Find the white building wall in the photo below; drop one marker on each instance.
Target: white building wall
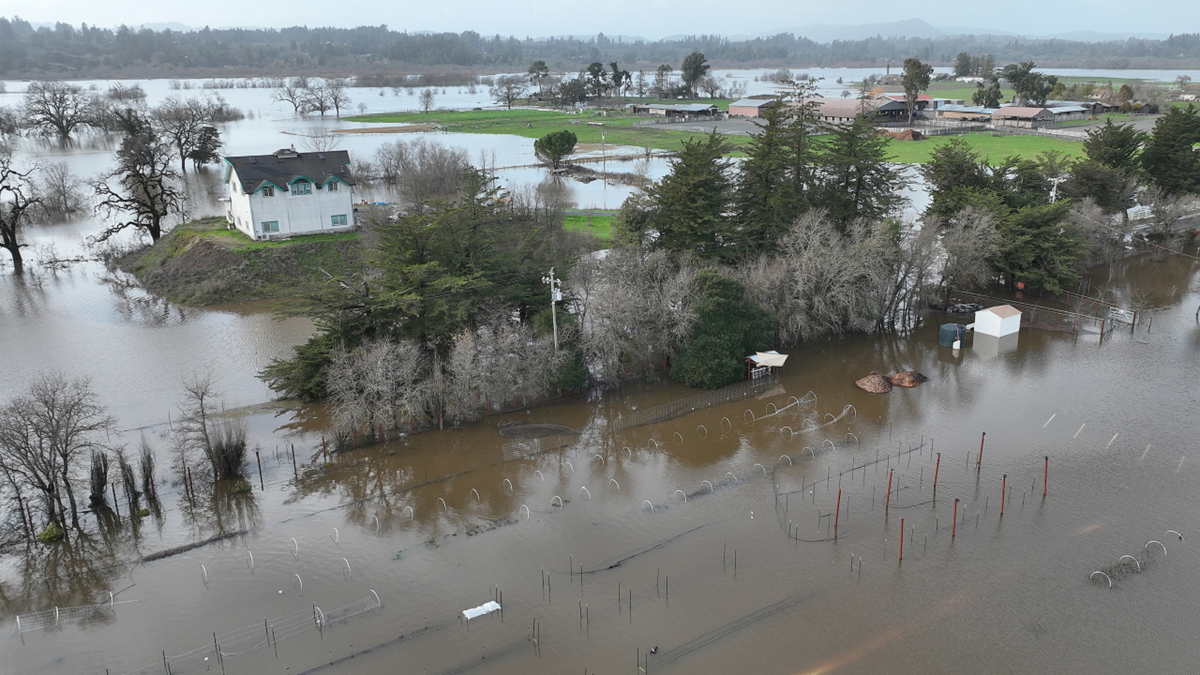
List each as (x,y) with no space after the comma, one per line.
(296,214)
(988,323)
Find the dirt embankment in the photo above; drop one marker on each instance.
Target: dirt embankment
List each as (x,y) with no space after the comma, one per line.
(202,263)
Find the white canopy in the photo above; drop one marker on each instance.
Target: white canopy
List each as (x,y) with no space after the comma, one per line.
(485,608)
(772,359)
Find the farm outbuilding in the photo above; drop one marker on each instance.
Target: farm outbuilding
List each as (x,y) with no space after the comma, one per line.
(1019,116)
(998,321)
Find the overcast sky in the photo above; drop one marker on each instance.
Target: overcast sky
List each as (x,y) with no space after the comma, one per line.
(652,19)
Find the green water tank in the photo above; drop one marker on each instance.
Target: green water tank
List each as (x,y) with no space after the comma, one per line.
(950,332)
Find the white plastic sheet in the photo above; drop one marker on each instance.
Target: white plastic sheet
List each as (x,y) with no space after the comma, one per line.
(485,608)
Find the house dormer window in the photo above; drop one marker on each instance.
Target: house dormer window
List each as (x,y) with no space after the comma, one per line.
(332,186)
(268,191)
(301,187)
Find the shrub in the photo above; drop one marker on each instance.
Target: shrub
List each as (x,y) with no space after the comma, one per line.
(52,533)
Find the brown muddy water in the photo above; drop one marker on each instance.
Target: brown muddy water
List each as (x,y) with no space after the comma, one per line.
(746,576)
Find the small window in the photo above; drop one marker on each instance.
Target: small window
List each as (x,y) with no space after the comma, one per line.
(332,186)
(268,191)
(270,226)
(302,188)
(338,220)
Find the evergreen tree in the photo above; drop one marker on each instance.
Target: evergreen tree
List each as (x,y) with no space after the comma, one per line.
(1169,158)
(857,180)
(728,326)
(1115,146)
(688,207)
(1040,246)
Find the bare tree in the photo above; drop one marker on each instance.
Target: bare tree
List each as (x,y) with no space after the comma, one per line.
(143,191)
(709,85)
(1166,210)
(421,170)
(205,428)
(338,97)
(60,193)
(508,89)
(45,434)
(18,201)
(321,141)
(57,108)
(293,92)
(496,363)
(970,244)
(319,99)
(380,382)
(823,281)
(425,100)
(180,123)
(638,310)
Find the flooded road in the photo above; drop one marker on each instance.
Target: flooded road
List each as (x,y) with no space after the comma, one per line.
(742,570)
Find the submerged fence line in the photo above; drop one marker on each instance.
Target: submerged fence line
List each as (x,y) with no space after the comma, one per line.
(738,391)
(266,634)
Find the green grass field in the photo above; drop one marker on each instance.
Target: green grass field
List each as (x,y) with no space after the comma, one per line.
(993,147)
(214,228)
(597,226)
(618,129)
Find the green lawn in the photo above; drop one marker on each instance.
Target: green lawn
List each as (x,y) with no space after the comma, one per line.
(993,147)
(617,128)
(598,226)
(243,243)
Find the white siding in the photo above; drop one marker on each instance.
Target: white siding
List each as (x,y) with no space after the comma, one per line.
(296,214)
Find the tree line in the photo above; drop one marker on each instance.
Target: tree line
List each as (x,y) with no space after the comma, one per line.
(81,50)
(143,192)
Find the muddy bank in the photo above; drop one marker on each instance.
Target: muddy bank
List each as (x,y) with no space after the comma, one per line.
(202,263)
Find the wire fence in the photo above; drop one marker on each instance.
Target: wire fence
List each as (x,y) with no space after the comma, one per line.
(57,616)
(1040,316)
(260,635)
(734,392)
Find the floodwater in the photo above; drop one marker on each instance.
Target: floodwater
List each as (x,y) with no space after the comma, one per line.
(744,570)
(990,592)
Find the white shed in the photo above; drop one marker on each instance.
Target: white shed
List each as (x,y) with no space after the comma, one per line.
(998,321)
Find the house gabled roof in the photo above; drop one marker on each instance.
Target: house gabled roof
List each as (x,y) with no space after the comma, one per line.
(753,102)
(284,167)
(1021,112)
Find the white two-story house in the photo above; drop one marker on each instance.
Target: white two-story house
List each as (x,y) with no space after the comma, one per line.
(289,193)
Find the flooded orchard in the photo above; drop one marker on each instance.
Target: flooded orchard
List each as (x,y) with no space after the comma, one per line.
(706,540)
(761,533)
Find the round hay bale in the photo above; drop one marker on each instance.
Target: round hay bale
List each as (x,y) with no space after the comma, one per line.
(909,378)
(875,383)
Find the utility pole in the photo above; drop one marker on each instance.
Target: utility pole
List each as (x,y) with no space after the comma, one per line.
(555,296)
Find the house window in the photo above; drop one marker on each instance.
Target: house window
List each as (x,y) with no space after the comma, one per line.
(270,226)
(338,220)
(268,191)
(332,186)
(302,188)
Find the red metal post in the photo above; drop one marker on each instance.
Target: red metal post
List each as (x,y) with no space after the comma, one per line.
(935,471)
(954,521)
(979,462)
(901,539)
(836,511)
(888,500)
